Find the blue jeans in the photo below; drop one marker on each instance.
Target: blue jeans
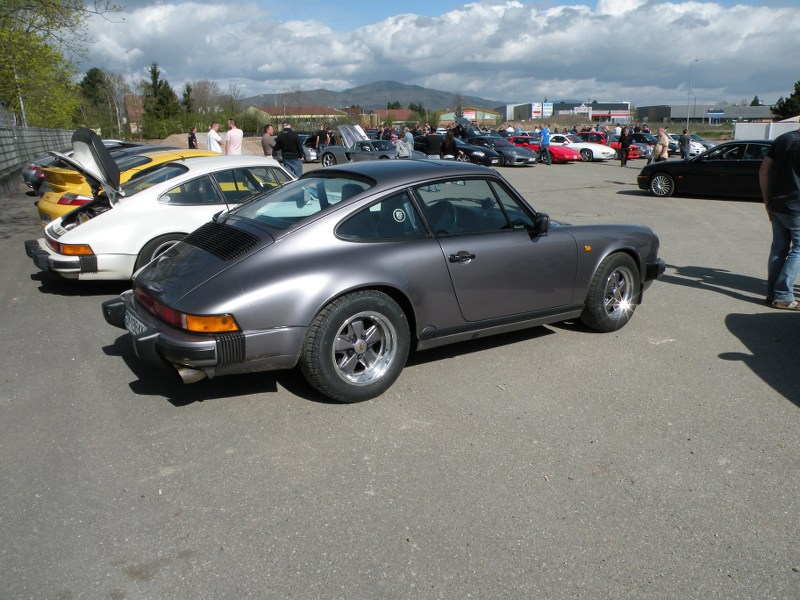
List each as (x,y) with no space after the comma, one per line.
(784,257)
(294,165)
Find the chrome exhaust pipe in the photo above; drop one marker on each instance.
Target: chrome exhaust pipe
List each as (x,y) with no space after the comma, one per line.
(190,375)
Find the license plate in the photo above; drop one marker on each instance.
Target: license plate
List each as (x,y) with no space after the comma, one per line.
(134,325)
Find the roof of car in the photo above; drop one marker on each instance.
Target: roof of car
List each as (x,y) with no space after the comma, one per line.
(390,172)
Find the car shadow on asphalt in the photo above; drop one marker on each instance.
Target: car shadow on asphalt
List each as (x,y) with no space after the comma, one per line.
(165,383)
(58,286)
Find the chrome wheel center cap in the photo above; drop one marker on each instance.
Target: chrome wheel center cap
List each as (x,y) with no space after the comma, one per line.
(360,346)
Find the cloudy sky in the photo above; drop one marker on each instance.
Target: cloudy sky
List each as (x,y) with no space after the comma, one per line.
(515,51)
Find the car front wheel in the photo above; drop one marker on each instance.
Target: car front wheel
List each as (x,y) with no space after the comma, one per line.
(328,160)
(356,346)
(662,185)
(613,294)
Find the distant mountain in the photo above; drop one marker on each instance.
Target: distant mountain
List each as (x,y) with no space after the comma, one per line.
(372,96)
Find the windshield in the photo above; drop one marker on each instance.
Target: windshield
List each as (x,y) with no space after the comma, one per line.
(574,138)
(162,173)
(299,200)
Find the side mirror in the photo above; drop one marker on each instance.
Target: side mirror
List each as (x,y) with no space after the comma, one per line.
(541,223)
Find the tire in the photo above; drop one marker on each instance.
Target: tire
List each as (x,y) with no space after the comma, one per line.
(356,347)
(384,157)
(586,155)
(662,185)
(613,294)
(156,247)
(328,160)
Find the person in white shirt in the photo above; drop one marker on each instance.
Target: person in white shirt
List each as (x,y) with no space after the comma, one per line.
(233,142)
(214,138)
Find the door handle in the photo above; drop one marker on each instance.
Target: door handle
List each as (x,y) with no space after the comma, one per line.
(461,257)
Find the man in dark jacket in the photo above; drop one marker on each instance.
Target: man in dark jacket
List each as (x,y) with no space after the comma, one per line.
(779,178)
(288,142)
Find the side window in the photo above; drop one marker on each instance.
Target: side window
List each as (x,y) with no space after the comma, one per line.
(755,152)
(201,190)
(730,152)
(469,206)
(391,218)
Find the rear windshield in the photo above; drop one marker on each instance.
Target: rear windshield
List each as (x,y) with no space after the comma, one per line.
(299,200)
(149,179)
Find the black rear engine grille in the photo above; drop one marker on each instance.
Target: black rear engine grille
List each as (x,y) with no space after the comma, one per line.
(223,241)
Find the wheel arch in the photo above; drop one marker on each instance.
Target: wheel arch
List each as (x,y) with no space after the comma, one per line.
(402,300)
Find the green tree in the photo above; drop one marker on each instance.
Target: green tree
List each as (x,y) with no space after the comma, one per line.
(103,102)
(188,101)
(788,107)
(393,105)
(161,107)
(35,77)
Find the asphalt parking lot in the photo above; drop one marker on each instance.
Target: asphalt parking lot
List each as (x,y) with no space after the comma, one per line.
(660,461)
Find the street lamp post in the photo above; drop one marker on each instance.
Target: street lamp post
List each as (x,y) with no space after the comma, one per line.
(689,93)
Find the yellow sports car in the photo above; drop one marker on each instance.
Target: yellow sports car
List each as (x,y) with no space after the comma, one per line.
(66,189)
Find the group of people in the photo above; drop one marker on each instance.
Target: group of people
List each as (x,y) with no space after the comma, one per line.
(231,145)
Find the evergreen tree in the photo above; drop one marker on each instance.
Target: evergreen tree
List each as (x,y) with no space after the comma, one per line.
(788,107)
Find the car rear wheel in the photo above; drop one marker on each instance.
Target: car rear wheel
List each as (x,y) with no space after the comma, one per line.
(586,155)
(662,185)
(328,160)
(612,294)
(156,247)
(356,347)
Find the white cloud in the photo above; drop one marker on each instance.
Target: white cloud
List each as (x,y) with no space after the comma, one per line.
(635,50)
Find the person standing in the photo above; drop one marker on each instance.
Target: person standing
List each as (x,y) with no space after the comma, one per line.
(544,146)
(779,179)
(685,142)
(214,138)
(625,140)
(193,139)
(234,139)
(268,140)
(322,140)
(661,149)
(433,143)
(288,142)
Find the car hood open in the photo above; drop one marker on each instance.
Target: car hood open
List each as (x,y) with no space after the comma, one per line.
(351,134)
(92,159)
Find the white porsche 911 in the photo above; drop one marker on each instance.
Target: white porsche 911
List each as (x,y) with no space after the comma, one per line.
(589,151)
(121,230)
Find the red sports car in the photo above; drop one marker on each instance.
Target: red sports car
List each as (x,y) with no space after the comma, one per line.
(599,137)
(560,154)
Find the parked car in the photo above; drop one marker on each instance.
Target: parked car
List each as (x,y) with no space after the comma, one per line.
(634,150)
(479,155)
(558,154)
(309,147)
(357,147)
(695,148)
(589,151)
(67,189)
(706,143)
(651,140)
(346,270)
(729,169)
(115,234)
(33,174)
(511,155)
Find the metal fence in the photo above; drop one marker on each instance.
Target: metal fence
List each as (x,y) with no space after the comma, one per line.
(18,145)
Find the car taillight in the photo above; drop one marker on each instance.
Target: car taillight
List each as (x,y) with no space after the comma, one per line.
(194,323)
(74,200)
(69,249)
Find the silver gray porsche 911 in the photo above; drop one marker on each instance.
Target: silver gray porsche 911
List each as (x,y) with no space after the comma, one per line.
(348,269)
